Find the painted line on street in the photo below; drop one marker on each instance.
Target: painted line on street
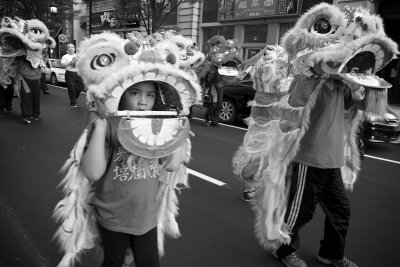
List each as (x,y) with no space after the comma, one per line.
(65,88)
(25,241)
(207,178)
(227,125)
(383,159)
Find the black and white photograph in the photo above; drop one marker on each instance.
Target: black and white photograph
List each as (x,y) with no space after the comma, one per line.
(199,133)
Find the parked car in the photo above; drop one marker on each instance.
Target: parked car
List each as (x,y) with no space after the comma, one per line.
(376,129)
(234,104)
(56,73)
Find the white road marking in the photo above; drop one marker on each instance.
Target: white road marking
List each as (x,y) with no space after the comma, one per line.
(227,125)
(207,178)
(383,159)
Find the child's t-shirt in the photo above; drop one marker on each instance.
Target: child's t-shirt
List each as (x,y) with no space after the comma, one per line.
(125,199)
(323,143)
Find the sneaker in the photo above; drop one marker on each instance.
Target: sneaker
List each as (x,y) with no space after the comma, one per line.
(25,121)
(74,106)
(248,195)
(293,260)
(37,118)
(343,262)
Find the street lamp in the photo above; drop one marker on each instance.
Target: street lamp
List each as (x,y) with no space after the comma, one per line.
(53,8)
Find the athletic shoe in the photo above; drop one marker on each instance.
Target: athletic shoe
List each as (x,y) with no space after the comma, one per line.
(293,260)
(343,262)
(74,106)
(37,118)
(24,121)
(248,195)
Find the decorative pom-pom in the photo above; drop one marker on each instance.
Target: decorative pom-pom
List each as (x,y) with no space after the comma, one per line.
(130,48)
(171,59)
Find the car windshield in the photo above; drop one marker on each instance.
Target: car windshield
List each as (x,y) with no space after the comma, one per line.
(56,63)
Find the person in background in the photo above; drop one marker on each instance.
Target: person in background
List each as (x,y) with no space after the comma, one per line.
(6,97)
(28,83)
(74,81)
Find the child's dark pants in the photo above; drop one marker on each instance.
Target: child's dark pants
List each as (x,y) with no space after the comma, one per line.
(144,248)
(309,186)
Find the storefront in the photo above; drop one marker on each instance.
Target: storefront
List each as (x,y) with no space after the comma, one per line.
(254,23)
(390,12)
(106,17)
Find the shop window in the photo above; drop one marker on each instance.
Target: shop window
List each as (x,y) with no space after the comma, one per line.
(210,11)
(283,28)
(255,33)
(250,52)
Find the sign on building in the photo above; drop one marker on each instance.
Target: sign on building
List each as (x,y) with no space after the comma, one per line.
(244,9)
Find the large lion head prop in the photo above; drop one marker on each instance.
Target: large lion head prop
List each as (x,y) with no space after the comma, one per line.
(25,37)
(224,55)
(105,64)
(351,45)
(18,37)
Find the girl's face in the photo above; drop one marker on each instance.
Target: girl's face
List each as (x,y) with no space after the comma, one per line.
(140,96)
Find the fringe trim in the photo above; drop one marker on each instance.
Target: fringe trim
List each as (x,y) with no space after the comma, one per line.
(270,207)
(352,154)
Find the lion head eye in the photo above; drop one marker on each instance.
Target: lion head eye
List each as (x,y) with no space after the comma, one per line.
(102,61)
(36,31)
(322,26)
(180,46)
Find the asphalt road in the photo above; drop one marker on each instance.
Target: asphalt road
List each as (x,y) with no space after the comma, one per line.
(216,226)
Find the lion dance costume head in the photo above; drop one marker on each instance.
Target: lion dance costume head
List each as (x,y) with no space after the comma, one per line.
(27,38)
(325,43)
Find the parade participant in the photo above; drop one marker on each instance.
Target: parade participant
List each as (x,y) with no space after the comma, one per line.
(122,174)
(74,81)
(137,228)
(218,70)
(30,101)
(269,72)
(304,151)
(22,45)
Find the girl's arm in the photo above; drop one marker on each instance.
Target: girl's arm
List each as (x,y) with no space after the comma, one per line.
(94,161)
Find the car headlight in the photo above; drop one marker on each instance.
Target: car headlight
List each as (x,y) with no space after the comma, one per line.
(391,117)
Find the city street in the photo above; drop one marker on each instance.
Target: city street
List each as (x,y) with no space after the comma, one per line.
(216,225)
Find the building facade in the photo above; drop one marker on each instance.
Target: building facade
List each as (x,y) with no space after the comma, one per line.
(254,23)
